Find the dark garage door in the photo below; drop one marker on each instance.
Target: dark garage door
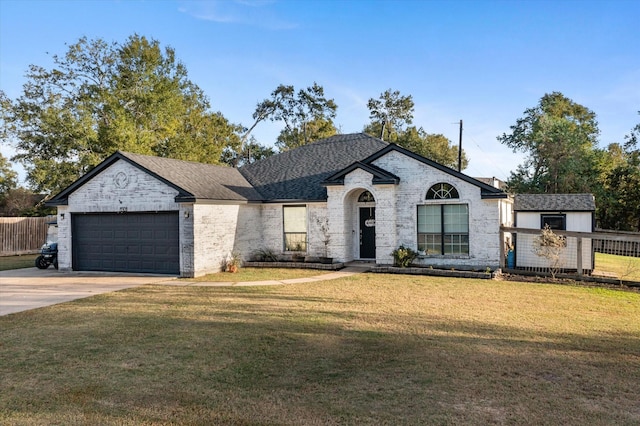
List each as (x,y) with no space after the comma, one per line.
(128,242)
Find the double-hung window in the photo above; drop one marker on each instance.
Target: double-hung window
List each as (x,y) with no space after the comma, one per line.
(443,229)
(295,228)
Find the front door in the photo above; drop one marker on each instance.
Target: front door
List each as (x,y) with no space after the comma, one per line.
(367,232)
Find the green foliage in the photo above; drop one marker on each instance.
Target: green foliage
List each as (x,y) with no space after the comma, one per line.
(233,262)
(403,256)
(390,114)
(307,115)
(617,189)
(559,137)
(618,207)
(251,152)
(265,255)
(315,129)
(435,147)
(101,97)
(8,177)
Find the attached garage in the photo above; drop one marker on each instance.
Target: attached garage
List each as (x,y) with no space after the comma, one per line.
(127,242)
(144,214)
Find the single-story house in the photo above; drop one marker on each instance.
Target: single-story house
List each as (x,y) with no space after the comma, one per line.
(561,212)
(352,196)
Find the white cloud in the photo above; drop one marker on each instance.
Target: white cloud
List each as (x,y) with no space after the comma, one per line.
(256,13)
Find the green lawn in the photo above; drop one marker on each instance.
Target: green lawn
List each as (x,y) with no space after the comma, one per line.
(17,262)
(623,267)
(370,349)
(259,274)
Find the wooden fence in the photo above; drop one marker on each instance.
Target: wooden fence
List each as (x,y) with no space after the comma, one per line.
(23,235)
(579,255)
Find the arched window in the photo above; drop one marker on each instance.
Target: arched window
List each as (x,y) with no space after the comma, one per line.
(443,228)
(442,191)
(366,197)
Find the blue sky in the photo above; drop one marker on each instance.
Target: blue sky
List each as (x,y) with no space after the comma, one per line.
(484,62)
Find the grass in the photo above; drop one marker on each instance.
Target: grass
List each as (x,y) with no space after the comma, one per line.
(259,274)
(625,268)
(371,349)
(17,262)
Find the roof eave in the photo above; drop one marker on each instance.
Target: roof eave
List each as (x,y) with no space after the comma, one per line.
(553,211)
(494,195)
(485,188)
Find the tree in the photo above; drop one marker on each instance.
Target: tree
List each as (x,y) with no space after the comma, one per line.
(310,131)
(618,189)
(560,138)
(16,200)
(251,152)
(435,147)
(100,97)
(550,246)
(389,114)
(307,115)
(8,177)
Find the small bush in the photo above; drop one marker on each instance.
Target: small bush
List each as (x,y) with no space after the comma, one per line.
(233,262)
(265,255)
(403,256)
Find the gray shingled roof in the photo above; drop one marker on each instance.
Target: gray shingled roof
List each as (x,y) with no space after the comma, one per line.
(203,181)
(554,202)
(297,174)
(194,181)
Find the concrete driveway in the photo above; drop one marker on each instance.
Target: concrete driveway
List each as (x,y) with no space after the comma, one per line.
(30,288)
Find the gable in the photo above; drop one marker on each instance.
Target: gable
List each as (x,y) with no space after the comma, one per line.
(121,184)
(387,164)
(191,181)
(298,174)
(379,176)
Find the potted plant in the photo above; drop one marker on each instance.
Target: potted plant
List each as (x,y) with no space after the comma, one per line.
(233,263)
(323,224)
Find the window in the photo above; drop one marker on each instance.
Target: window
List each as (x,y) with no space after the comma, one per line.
(557,222)
(295,228)
(442,191)
(366,197)
(443,229)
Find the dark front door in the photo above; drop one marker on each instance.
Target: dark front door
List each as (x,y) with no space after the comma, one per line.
(367,232)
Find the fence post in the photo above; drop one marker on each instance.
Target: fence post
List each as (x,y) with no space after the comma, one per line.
(502,258)
(579,258)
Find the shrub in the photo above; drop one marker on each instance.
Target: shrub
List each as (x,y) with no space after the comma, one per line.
(403,256)
(233,262)
(265,255)
(550,246)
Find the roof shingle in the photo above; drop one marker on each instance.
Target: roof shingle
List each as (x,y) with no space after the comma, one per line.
(554,202)
(203,181)
(297,174)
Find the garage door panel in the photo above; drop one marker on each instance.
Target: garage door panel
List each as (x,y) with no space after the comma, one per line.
(132,242)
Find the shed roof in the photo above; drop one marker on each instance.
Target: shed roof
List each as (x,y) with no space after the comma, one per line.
(554,202)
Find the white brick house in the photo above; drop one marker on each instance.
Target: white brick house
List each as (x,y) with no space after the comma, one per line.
(148,214)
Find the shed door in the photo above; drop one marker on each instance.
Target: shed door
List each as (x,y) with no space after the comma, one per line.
(128,242)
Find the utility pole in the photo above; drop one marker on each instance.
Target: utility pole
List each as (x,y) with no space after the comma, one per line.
(460,149)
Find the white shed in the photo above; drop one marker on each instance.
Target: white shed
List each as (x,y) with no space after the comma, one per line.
(561,212)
